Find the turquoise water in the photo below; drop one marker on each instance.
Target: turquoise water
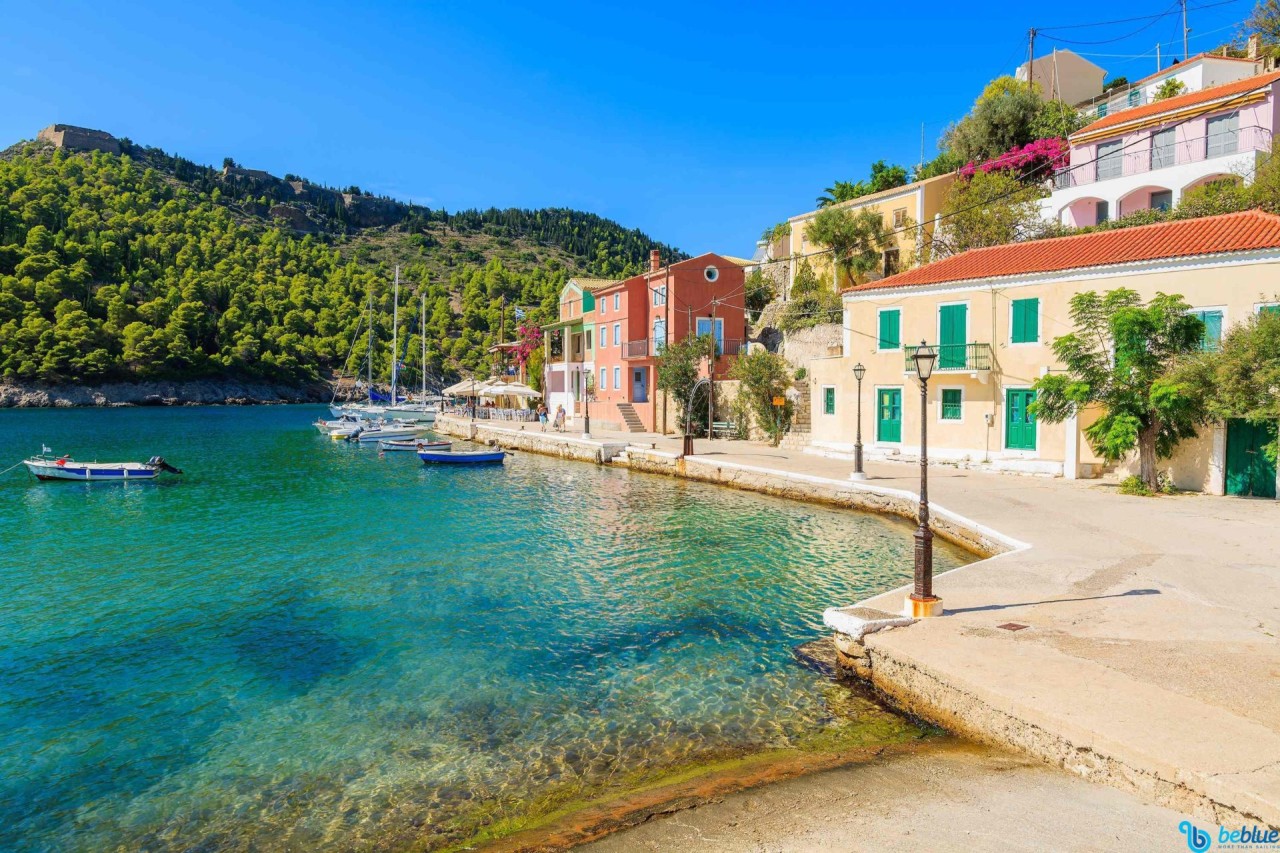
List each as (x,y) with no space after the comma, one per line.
(299,645)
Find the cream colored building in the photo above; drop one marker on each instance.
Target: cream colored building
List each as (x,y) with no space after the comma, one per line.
(993,314)
(908,211)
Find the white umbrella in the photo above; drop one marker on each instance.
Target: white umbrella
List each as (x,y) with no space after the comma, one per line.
(513,389)
(468,388)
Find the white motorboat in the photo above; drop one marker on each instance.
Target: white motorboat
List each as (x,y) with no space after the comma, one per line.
(396,429)
(65,468)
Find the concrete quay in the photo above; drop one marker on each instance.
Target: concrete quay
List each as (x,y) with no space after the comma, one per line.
(1150,660)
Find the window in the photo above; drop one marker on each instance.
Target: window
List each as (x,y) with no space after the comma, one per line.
(1269,309)
(890,329)
(659,335)
(588,332)
(1110,159)
(1135,97)
(703,327)
(660,295)
(900,217)
(1212,319)
(1162,200)
(828,399)
(617,301)
(1025,321)
(617,378)
(890,262)
(1103,212)
(1222,135)
(952,404)
(603,337)
(617,334)
(604,306)
(1163,153)
(604,378)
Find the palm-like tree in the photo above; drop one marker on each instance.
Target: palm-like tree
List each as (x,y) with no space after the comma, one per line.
(840,191)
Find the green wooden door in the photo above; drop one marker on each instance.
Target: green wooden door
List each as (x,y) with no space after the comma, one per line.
(889,414)
(1020,424)
(1249,472)
(953,330)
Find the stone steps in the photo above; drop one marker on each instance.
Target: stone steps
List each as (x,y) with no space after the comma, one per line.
(630,418)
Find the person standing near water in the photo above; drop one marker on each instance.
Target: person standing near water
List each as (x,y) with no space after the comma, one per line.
(542,416)
(559,422)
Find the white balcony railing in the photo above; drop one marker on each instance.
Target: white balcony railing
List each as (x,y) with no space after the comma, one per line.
(1148,157)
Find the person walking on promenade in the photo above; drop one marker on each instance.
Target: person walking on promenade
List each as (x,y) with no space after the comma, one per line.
(542,416)
(559,422)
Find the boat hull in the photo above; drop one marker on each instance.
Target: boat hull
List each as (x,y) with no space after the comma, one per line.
(92,473)
(462,457)
(411,444)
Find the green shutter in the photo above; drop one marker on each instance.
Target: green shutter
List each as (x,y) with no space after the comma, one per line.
(1026,321)
(829,401)
(951,400)
(1212,336)
(889,414)
(1269,309)
(890,329)
(953,323)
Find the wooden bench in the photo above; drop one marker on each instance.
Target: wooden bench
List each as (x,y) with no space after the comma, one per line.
(724,429)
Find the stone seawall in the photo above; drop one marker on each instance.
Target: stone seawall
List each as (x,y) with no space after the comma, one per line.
(707,469)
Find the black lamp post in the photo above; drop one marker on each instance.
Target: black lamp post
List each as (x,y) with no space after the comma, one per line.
(922,601)
(588,391)
(859,371)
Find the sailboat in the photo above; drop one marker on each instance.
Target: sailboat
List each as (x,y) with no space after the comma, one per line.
(376,407)
(420,411)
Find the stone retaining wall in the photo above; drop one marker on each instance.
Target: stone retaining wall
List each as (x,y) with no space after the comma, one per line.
(531,439)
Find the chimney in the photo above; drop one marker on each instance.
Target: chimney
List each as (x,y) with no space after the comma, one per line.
(655,260)
(1255,45)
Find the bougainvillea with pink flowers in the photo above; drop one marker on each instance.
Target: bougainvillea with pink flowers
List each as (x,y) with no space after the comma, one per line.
(528,339)
(1038,159)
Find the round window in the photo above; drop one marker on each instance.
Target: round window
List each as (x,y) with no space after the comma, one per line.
(711,273)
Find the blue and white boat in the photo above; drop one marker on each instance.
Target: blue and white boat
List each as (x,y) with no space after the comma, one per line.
(46,467)
(462,457)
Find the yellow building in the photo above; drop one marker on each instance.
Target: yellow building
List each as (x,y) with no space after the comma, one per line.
(908,211)
(993,314)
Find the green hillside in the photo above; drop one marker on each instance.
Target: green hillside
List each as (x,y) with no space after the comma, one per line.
(147,266)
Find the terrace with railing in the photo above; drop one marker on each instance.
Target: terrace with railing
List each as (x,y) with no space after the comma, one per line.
(1162,152)
(969,358)
(636,349)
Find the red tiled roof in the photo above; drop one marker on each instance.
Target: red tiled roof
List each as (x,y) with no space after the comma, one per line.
(1190,99)
(1231,232)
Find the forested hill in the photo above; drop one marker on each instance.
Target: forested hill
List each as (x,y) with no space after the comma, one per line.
(142,266)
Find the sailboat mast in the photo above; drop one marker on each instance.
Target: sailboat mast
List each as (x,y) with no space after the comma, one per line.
(422,333)
(395,340)
(369,354)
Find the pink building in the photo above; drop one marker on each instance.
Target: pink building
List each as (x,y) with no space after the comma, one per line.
(635,318)
(1147,156)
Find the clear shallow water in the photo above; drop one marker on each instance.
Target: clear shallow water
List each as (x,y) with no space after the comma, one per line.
(299,645)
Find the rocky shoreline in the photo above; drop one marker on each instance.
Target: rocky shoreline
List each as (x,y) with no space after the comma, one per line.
(216,392)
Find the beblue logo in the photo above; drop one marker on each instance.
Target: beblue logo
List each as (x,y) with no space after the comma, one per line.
(1197,839)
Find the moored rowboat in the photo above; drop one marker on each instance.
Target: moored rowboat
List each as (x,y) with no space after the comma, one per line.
(413,444)
(462,457)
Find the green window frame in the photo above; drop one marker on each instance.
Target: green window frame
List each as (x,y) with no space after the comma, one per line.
(952,404)
(828,399)
(890,336)
(1212,319)
(1025,322)
(1269,309)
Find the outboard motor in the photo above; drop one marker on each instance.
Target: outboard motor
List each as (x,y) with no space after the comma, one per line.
(158,463)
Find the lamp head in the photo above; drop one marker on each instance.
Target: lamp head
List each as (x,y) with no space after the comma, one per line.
(925,357)
(859,371)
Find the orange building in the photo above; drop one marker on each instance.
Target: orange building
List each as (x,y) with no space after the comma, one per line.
(636,318)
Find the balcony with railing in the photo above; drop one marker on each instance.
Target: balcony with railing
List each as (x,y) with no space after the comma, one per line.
(1153,156)
(636,349)
(967,358)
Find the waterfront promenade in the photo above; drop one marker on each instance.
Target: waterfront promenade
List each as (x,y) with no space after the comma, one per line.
(1151,658)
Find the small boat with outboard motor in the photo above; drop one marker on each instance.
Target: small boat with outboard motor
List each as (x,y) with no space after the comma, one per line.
(48,467)
(385,431)
(412,444)
(462,457)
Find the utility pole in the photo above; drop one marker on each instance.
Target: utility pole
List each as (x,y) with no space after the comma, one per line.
(666,335)
(1158,65)
(502,335)
(1031,58)
(1185,31)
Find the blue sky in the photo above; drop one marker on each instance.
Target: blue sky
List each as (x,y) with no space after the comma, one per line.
(700,123)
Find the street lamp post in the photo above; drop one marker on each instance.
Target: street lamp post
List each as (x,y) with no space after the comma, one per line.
(859,371)
(922,602)
(588,391)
